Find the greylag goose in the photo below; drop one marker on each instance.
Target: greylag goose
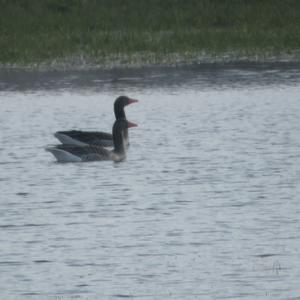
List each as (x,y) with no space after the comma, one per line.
(97,138)
(75,153)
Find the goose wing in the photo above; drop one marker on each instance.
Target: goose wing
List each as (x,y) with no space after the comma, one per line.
(96,138)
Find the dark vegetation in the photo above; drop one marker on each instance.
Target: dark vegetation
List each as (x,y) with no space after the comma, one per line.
(36,31)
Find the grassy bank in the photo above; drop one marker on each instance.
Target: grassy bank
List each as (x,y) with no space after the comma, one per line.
(146,31)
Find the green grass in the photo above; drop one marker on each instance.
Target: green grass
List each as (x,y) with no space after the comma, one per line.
(156,31)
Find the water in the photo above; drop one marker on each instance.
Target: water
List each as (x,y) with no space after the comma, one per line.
(206,206)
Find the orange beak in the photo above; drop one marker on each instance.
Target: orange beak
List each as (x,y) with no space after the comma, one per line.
(132,101)
(130,124)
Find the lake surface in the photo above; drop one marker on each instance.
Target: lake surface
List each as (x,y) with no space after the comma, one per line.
(206,205)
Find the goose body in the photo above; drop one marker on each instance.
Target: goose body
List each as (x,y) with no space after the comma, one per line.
(78,153)
(96,138)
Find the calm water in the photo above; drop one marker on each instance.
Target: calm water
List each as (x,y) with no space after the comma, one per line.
(206,206)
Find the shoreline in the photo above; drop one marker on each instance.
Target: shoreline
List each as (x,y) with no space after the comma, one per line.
(233,73)
(144,60)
